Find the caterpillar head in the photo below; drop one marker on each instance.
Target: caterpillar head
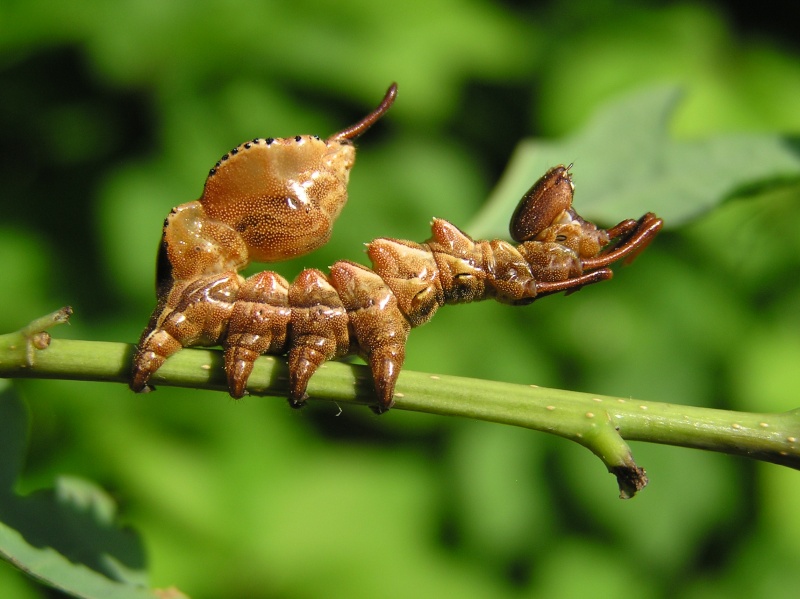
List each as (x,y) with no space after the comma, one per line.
(550,196)
(283,195)
(545,214)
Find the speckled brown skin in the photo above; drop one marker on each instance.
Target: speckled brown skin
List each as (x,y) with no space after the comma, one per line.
(355,310)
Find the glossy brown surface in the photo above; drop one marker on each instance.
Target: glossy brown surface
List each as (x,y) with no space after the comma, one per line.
(352,310)
(544,201)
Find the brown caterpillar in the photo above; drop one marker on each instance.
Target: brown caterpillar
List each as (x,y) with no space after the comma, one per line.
(270,199)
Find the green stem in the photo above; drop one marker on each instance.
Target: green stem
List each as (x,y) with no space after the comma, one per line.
(600,423)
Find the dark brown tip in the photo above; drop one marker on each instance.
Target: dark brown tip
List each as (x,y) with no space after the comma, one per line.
(355,130)
(545,200)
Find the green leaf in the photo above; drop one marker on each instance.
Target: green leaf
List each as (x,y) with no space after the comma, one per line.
(626,164)
(64,537)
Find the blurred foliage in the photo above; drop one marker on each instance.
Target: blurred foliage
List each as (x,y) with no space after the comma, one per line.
(48,533)
(679,180)
(112,113)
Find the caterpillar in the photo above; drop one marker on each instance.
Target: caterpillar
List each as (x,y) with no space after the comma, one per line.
(269,199)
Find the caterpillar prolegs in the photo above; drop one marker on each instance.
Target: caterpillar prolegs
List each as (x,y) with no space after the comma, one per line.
(202,300)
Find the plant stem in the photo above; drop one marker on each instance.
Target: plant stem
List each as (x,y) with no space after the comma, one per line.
(600,423)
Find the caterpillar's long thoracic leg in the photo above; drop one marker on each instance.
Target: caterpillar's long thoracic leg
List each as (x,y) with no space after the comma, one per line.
(635,236)
(353,310)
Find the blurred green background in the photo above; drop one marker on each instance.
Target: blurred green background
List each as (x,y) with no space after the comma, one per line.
(112,113)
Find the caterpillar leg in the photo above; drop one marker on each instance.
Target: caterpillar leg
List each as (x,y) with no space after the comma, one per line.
(634,236)
(319,330)
(544,288)
(196,313)
(258,325)
(379,327)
